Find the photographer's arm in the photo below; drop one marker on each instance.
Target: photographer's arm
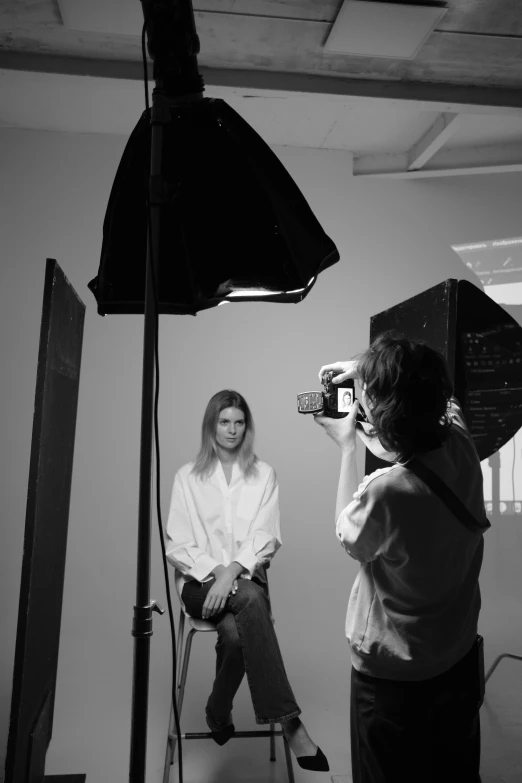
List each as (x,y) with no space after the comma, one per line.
(348,481)
(342,432)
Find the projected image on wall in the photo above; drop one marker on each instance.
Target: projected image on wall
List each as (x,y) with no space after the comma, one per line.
(497,264)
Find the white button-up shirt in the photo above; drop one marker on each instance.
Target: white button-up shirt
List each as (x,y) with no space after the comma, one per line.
(213,523)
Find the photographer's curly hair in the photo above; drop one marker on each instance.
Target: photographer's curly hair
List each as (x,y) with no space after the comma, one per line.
(207,456)
(408,387)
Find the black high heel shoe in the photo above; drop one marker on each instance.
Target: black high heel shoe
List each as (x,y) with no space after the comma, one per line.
(222,736)
(317,763)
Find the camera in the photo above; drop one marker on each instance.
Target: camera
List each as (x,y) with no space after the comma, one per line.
(335,401)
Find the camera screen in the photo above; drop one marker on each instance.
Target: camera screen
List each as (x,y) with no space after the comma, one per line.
(344,400)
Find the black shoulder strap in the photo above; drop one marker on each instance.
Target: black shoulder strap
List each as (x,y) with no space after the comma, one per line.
(455,505)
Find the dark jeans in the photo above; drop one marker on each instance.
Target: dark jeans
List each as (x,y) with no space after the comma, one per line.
(246,644)
(412,731)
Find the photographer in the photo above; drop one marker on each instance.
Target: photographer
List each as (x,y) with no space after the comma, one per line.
(417,673)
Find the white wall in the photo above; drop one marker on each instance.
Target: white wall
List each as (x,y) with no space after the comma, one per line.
(394,239)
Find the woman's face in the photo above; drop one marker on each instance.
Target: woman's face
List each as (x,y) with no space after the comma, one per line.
(230,428)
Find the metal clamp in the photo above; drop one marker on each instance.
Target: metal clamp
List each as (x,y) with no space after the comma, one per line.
(142,624)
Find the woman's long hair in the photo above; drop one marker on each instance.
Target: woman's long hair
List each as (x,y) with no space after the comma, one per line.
(207,456)
(408,387)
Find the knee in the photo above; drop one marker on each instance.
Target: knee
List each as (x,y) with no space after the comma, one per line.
(251,594)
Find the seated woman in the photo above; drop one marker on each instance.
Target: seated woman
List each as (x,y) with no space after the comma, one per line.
(223,528)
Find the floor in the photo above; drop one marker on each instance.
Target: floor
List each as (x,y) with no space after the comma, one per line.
(501,723)
(247,760)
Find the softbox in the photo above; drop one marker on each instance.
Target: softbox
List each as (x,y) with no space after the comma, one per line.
(232,218)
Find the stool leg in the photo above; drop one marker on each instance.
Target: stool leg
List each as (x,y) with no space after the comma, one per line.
(169,753)
(184,669)
(180,692)
(180,640)
(289,767)
(272,743)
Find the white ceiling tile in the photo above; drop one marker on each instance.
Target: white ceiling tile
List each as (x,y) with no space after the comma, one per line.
(382,29)
(486,129)
(287,120)
(117,17)
(69,103)
(366,129)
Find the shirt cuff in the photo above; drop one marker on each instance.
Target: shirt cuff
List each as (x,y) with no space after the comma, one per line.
(203,567)
(248,560)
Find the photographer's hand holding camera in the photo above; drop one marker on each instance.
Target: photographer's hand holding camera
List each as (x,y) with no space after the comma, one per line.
(343,433)
(416,681)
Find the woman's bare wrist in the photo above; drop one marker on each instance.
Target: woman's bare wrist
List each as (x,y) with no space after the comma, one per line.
(236,569)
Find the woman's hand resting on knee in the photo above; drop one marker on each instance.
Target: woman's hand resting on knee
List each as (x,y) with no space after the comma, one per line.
(218,594)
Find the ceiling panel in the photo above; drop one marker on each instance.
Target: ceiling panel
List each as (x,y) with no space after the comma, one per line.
(319,10)
(116,17)
(78,104)
(487,17)
(373,29)
(366,129)
(270,59)
(486,130)
(124,17)
(23,12)
(69,103)
(290,120)
(284,37)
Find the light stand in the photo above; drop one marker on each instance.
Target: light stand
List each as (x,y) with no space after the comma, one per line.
(220,220)
(142,625)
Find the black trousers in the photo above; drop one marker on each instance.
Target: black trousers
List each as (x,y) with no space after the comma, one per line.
(425,731)
(246,643)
